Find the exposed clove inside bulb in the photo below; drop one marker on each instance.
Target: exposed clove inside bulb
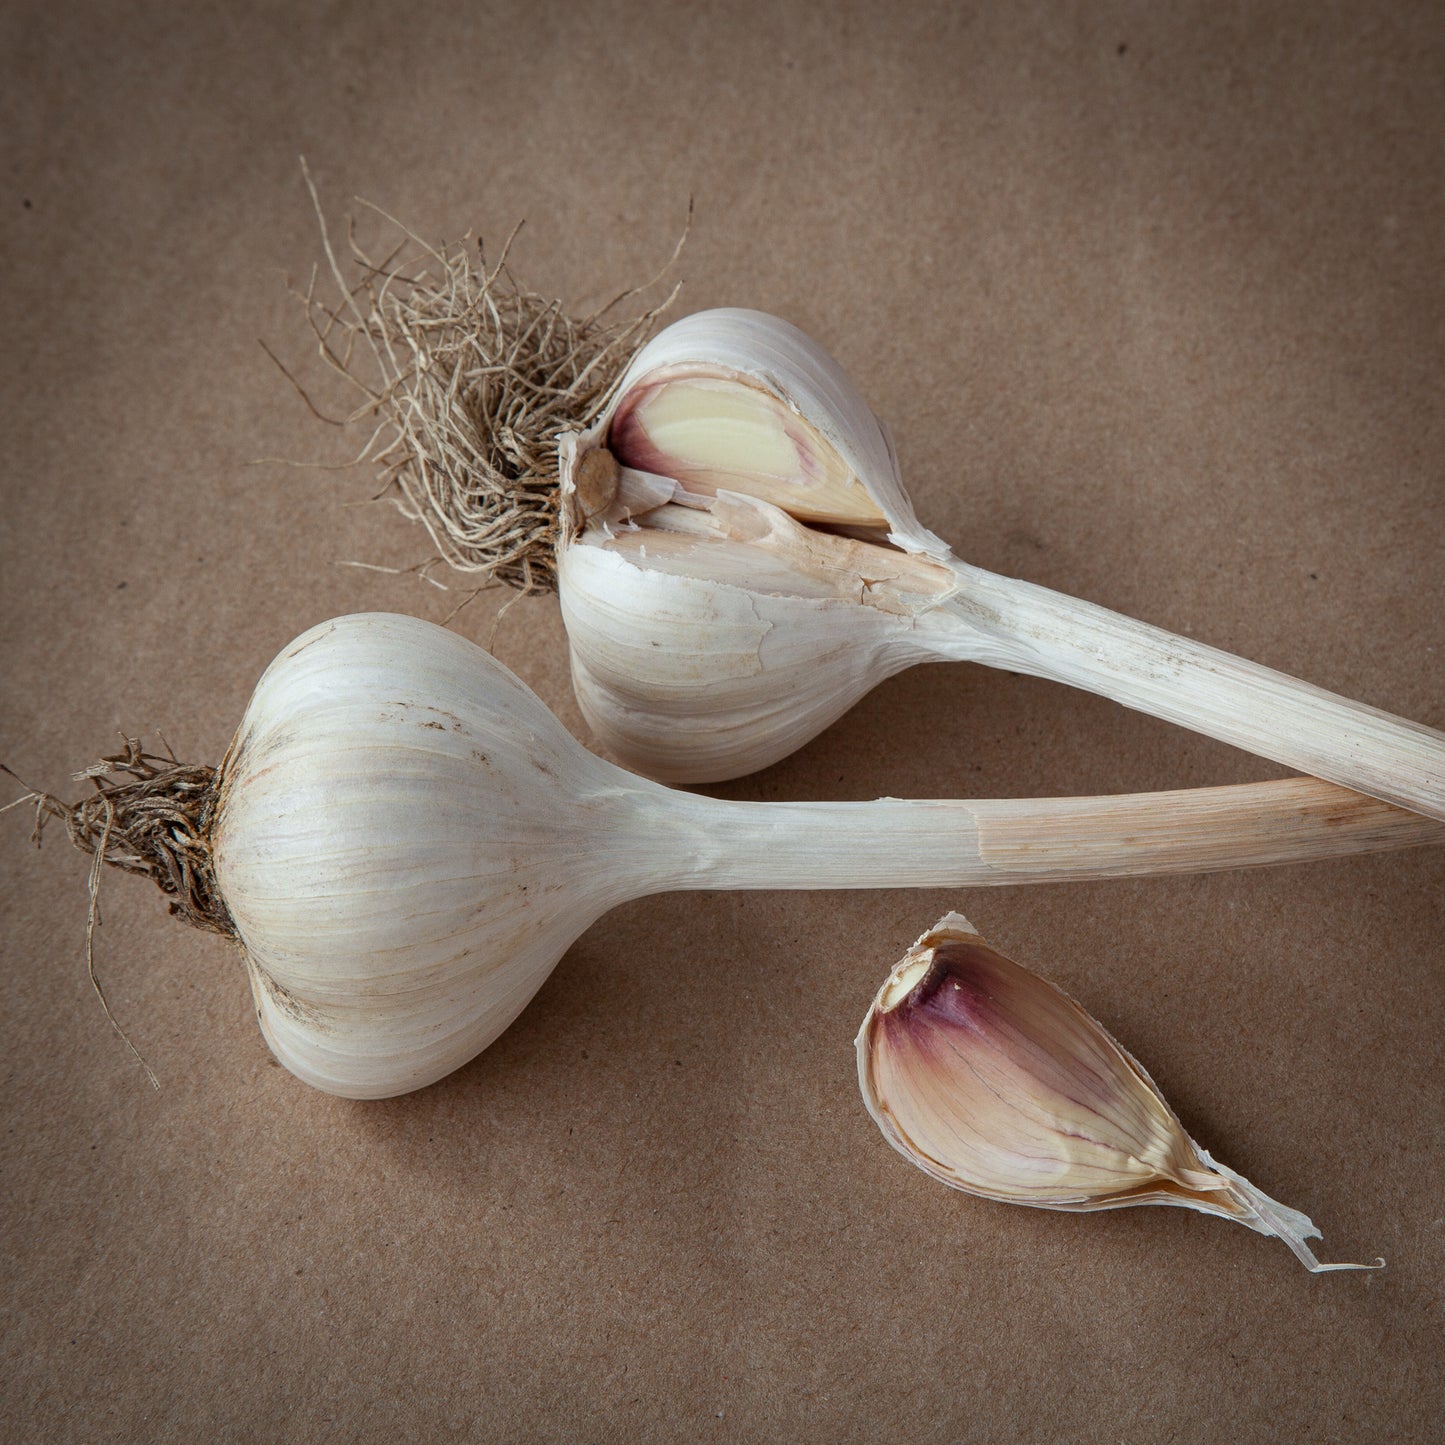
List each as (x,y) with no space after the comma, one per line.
(995,1082)
(757,567)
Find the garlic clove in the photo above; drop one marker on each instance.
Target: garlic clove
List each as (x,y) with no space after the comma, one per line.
(738,400)
(997,1083)
(1006,1087)
(714,430)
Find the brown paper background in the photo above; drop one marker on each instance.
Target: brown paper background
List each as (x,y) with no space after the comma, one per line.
(1152,298)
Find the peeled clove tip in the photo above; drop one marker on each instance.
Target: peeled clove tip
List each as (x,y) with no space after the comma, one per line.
(911,982)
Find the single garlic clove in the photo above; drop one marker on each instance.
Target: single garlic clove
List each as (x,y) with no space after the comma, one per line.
(1002,1085)
(715,430)
(736,400)
(995,1082)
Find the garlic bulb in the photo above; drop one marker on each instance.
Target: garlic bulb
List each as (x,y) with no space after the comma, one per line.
(997,1083)
(716,624)
(406,841)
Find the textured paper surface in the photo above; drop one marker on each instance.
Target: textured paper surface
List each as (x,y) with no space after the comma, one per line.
(1152,301)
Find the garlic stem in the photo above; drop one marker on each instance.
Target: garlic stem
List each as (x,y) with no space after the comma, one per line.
(910,843)
(1252,1207)
(1026,628)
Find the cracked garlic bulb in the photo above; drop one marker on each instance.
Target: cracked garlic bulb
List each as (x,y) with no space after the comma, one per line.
(752,567)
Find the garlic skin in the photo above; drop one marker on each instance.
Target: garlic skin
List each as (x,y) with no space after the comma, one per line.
(995,1082)
(821,412)
(736,402)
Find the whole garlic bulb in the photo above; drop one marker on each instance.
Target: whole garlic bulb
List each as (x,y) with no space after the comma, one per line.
(995,1082)
(405,842)
(717,620)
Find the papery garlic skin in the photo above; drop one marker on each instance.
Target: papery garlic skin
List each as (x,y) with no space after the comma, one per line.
(679,643)
(997,1083)
(639,637)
